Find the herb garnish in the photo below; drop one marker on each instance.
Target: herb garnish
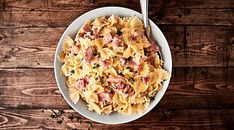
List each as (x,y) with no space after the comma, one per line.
(96,66)
(129,58)
(131,80)
(128,68)
(101,80)
(152,98)
(72,71)
(60,116)
(118,32)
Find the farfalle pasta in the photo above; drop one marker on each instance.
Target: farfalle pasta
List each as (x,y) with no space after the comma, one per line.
(112,66)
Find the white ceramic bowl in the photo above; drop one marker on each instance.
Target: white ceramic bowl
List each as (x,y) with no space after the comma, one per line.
(81,106)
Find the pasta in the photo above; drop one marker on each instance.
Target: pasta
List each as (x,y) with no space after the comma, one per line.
(112,66)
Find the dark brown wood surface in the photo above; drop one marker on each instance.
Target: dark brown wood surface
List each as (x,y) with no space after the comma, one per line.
(201,38)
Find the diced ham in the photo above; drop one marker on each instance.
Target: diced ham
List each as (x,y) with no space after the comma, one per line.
(138,34)
(144,93)
(132,64)
(85,28)
(119,85)
(127,90)
(116,79)
(132,38)
(131,92)
(107,38)
(139,67)
(145,79)
(107,63)
(135,35)
(153,48)
(90,53)
(86,79)
(89,35)
(82,83)
(75,49)
(116,41)
(104,96)
(122,61)
(96,31)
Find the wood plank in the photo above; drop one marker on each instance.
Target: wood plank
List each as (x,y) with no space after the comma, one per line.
(53,13)
(157,119)
(29,87)
(190,44)
(190,88)
(35,47)
(29,47)
(71,4)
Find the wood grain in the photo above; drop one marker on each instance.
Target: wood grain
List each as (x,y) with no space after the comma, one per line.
(53,13)
(32,47)
(35,47)
(214,119)
(189,88)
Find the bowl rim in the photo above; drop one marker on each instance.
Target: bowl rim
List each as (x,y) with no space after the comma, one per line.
(56,59)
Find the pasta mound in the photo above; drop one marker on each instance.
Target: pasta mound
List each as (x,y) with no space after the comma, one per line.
(112,66)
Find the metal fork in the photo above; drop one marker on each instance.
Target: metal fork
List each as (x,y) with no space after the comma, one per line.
(144,10)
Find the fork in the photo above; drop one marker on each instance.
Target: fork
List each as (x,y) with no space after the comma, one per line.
(144,10)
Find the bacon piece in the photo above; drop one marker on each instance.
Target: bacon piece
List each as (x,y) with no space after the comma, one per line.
(116,41)
(107,38)
(104,96)
(90,53)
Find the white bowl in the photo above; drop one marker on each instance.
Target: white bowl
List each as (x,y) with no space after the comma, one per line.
(81,106)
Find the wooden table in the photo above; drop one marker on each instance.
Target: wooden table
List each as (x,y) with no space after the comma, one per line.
(201,37)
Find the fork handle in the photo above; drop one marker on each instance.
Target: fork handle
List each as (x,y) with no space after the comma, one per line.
(144,9)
